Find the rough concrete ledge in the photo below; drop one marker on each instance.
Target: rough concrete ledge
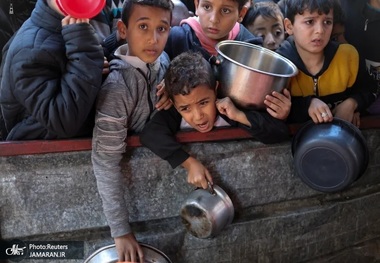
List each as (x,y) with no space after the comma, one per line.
(278,218)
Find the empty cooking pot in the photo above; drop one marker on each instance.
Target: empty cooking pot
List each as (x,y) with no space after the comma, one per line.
(328,157)
(206,212)
(81,8)
(108,254)
(247,73)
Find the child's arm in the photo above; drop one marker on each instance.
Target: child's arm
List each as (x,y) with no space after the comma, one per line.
(197,174)
(61,100)
(159,136)
(261,125)
(108,146)
(226,107)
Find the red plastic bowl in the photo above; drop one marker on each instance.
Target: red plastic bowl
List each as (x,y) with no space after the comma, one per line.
(81,8)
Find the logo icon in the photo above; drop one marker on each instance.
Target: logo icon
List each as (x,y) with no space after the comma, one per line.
(15,250)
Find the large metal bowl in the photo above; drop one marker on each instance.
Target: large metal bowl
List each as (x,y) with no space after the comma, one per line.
(328,157)
(108,254)
(247,73)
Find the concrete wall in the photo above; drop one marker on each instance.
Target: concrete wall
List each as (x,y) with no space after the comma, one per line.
(278,218)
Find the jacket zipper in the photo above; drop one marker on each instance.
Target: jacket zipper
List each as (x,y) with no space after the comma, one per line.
(11,12)
(315,87)
(366,24)
(147,79)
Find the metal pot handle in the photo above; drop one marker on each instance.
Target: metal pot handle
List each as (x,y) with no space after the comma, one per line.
(210,188)
(215,62)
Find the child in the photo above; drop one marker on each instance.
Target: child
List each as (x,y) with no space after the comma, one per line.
(125,103)
(191,86)
(327,70)
(265,19)
(338,30)
(216,20)
(51,75)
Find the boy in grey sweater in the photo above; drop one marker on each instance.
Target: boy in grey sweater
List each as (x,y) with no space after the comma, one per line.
(125,102)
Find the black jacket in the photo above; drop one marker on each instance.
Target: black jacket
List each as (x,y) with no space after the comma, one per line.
(362,31)
(159,133)
(51,77)
(13,14)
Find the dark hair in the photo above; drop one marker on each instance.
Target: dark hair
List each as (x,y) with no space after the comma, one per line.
(187,71)
(264,9)
(241,3)
(129,4)
(339,14)
(294,7)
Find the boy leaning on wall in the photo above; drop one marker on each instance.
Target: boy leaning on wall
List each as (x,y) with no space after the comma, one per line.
(125,102)
(191,86)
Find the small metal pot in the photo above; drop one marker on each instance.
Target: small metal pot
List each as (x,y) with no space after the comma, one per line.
(206,212)
(108,254)
(328,157)
(247,73)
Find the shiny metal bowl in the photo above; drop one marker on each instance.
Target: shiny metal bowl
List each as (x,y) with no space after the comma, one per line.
(247,73)
(108,254)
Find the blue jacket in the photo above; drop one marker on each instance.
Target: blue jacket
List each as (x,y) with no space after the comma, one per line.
(182,38)
(51,77)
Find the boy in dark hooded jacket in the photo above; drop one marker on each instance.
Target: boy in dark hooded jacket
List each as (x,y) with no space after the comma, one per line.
(51,76)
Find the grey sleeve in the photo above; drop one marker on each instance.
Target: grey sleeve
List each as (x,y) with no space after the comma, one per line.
(108,146)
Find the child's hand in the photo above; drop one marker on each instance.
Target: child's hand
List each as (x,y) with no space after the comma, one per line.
(128,249)
(164,103)
(226,107)
(319,112)
(197,174)
(278,105)
(106,67)
(346,110)
(68,20)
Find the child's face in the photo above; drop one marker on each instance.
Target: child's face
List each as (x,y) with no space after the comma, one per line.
(337,33)
(147,32)
(311,31)
(270,29)
(198,108)
(217,17)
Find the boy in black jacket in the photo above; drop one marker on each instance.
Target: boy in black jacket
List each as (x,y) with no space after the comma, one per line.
(190,85)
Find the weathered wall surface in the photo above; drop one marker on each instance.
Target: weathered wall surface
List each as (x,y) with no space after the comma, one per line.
(278,218)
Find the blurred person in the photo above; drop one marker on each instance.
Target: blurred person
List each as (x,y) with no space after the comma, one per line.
(265,19)
(362,31)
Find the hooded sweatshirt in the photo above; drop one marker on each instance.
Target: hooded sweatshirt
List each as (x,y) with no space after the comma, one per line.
(125,103)
(331,85)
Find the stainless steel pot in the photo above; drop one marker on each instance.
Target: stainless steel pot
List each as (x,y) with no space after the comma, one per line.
(247,73)
(108,254)
(206,212)
(328,157)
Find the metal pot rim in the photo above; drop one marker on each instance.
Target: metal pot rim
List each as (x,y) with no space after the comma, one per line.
(261,49)
(113,246)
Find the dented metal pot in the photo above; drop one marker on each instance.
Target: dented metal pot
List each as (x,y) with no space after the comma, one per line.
(206,212)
